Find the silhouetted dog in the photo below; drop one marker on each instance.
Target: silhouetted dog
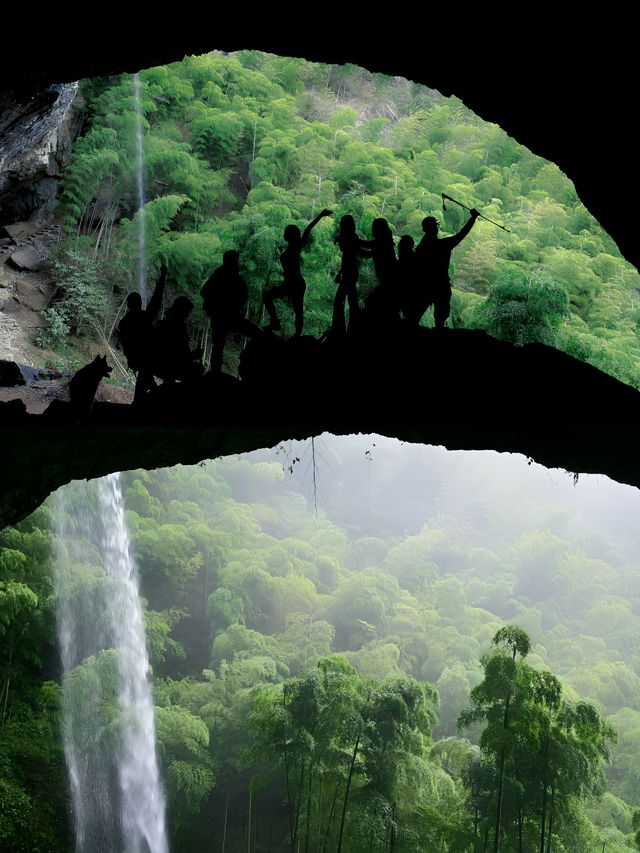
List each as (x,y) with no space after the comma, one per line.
(84,384)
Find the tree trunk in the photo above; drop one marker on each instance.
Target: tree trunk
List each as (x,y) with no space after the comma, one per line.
(520,823)
(255,821)
(110,234)
(306,839)
(543,817)
(8,681)
(330,818)
(224,831)
(286,775)
(319,816)
(505,725)
(544,794)
(249,823)
(346,793)
(296,825)
(392,835)
(100,233)
(253,152)
(553,795)
(496,841)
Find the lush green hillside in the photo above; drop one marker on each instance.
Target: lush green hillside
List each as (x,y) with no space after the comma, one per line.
(316,641)
(236,147)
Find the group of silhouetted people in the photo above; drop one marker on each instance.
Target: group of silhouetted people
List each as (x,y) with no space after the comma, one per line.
(158,349)
(408,284)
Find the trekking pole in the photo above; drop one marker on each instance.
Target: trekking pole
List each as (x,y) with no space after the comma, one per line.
(481,215)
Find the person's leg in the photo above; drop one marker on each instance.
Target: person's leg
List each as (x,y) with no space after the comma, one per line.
(144,382)
(278,292)
(245,327)
(297,302)
(442,308)
(352,297)
(219,331)
(337,320)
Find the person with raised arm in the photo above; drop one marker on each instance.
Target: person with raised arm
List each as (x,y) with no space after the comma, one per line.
(293,285)
(135,334)
(433,257)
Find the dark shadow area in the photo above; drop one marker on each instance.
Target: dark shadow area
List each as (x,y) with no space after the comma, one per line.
(526,92)
(459,388)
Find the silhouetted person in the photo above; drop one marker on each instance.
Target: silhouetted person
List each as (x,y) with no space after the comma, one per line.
(351,247)
(293,285)
(173,357)
(407,279)
(383,252)
(225,298)
(135,333)
(434,256)
(383,302)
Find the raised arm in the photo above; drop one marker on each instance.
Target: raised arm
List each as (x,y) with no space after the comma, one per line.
(307,231)
(153,308)
(462,233)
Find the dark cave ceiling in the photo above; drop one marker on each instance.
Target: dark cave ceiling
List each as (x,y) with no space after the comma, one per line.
(566,89)
(568,95)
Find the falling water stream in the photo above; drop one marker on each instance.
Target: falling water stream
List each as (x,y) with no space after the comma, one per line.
(142,272)
(109,730)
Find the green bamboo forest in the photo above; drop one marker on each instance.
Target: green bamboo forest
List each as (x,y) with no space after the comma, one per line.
(346,644)
(359,664)
(236,147)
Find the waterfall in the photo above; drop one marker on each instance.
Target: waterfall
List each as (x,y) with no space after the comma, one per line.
(109,730)
(142,271)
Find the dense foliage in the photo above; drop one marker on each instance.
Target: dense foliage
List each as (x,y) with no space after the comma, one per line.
(238,146)
(338,668)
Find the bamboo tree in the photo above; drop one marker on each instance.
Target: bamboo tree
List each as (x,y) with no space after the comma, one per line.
(518,642)
(308,824)
(346,792)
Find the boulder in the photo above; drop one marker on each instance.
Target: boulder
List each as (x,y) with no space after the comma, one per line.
(27,259)
(13,231)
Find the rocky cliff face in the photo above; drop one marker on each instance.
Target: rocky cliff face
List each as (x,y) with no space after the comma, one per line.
(35,144)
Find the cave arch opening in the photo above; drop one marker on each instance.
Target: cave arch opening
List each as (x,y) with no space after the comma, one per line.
(394,562)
